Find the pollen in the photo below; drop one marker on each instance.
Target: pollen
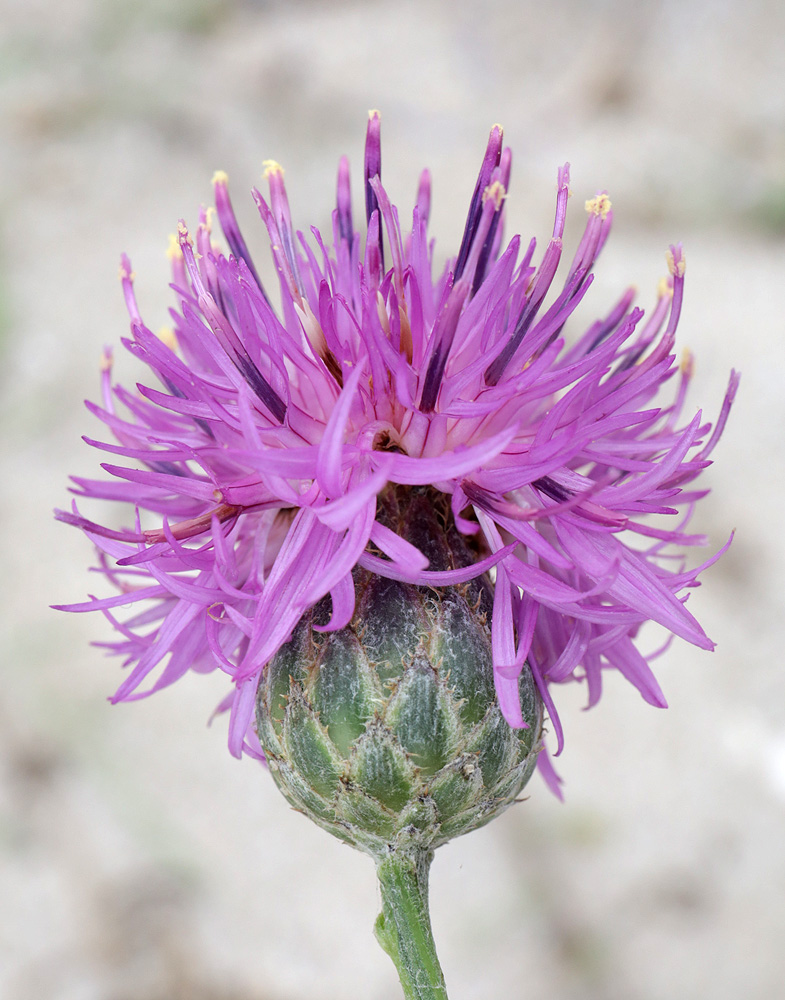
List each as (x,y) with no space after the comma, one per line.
(272,167)
(687,363)
(676,267)
(220,177)
(173,251)
(105,363)
(496,192)
(664,288)
(600,205)
(381,312)
(167,336)
(125,274)
(184,235)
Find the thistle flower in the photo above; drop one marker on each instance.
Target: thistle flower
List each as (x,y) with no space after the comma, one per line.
(260,467)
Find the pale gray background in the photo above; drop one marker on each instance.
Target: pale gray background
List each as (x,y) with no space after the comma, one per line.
(139,860)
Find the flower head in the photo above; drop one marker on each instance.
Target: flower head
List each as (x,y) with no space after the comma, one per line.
(256,465)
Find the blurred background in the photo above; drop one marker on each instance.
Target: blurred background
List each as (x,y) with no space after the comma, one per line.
(138,860)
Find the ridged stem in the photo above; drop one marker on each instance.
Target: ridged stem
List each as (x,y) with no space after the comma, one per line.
(403,928)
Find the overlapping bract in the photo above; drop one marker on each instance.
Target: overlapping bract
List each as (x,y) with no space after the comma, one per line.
(261,454)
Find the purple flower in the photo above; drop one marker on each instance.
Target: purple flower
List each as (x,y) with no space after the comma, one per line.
(255,466)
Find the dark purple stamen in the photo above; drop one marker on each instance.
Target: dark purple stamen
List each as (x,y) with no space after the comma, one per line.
(487,247)
(433,379)
(551,489)
(260,386)
(490,161)
(373,168)
(231,229)
(497,366)
(344,202)
(443,335)
(226,335)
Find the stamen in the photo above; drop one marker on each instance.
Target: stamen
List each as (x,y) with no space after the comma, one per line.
(505,168)
(424,197)
(490,161)
(594,236)
(127,280)
(279,204)
(443,335)
(551,488)
(540,283)
(600,205)
(373,168)
(226,335)
(676,260)
(390,217)
(677,263)
(230,226)
(344,202)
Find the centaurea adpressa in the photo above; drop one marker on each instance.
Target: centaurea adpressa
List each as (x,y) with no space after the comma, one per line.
(399,508)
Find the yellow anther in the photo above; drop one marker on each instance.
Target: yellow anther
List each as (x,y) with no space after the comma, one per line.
(105,363)
(664,288)
(272,167)
(381,312)
(600,205)
(206,224)
(182,230)
(496,192)
(675,267)
(167,336)
(125,274)
(406,332)
(687,364)
(374,113)
(173,251)
(220,177)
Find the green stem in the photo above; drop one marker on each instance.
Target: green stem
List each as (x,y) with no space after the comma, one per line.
(403,928)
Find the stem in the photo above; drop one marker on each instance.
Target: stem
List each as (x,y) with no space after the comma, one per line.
(403,928)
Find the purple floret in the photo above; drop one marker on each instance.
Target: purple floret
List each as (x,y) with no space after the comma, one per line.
(259,457)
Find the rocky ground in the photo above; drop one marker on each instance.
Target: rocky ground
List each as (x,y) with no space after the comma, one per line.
(138,860)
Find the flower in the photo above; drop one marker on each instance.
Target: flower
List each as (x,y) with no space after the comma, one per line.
(261,455)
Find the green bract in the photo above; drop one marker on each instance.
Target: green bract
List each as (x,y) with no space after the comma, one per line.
(387,733)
